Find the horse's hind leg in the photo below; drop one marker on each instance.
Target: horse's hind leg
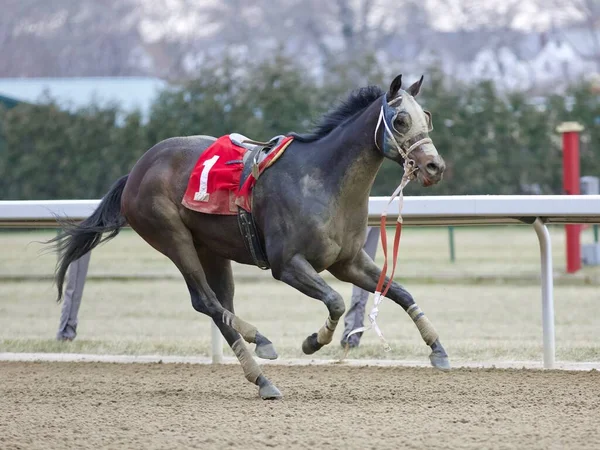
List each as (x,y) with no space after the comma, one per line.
(220,278)
(180,250)
(299,274)
(169,235)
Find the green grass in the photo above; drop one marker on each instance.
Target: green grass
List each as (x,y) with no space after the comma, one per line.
(496,320)
(495,253)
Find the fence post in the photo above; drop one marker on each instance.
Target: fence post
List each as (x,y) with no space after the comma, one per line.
(570,137)
(451,238)
(216,343)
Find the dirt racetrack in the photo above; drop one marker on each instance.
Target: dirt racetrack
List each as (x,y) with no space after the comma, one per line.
(101,405)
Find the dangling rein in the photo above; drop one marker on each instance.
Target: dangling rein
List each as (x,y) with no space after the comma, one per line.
(409,171)
(379,291)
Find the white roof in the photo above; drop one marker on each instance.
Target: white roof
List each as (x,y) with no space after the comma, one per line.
(129,92)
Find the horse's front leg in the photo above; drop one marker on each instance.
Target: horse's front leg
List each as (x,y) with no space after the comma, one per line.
(363,272)
(299,274)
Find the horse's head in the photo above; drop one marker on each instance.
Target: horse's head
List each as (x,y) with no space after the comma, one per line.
(405,128)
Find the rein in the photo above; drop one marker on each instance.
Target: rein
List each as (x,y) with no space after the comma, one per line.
(408,175)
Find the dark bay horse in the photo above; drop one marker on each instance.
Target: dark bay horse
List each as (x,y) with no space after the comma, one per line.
(310,209)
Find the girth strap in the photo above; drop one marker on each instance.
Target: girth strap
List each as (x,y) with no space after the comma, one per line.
(252,239)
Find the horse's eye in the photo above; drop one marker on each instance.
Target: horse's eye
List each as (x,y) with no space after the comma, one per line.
(402,122)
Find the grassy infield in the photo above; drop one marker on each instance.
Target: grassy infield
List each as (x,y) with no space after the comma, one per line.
(486,306)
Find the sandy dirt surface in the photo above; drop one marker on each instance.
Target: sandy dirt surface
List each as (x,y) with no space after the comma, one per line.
(101,405)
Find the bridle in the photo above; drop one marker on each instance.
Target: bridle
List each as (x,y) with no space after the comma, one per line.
(386,116)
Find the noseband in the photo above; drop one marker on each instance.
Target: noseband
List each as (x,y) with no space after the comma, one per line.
(386,115)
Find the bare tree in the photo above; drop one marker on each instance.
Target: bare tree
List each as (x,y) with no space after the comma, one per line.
(489,34)
(66,38)
(316,31)
(170,38)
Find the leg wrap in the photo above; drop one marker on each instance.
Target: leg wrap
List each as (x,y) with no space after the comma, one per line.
(247,331)
(427,331)
(325,334)
(251,369)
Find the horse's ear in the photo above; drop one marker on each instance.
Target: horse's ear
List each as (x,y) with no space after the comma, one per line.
(416,87)
(395,87)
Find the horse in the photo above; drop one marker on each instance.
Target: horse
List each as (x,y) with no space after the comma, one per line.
(310,210)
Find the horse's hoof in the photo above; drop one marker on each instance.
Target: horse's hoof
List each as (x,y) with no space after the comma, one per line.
(264,348)
(266,351)
(311,345)
(439,361)
(268,391)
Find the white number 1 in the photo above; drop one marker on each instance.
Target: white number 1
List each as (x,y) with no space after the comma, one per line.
(202,194)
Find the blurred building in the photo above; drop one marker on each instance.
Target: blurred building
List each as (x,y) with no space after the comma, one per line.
(129,93)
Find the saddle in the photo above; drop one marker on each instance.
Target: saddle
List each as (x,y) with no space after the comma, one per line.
(256,153)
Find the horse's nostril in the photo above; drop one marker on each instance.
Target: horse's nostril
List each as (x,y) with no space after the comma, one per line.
(432,168)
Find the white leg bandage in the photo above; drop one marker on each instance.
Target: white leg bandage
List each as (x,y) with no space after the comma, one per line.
(325,334)
(247,330)
(251,369)
(423,324)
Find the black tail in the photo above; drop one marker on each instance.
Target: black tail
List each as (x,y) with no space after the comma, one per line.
(78,239)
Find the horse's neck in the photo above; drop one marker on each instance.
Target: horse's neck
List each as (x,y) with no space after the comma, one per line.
(354,157)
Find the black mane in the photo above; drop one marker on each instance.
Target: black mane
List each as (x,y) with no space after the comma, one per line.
(357,101)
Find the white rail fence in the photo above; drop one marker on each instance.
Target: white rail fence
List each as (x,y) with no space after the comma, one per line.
(536,211)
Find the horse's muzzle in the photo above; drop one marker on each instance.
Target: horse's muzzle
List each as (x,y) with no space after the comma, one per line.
(432,171)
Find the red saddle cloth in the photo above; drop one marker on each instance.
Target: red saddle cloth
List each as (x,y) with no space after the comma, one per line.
(214,184)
